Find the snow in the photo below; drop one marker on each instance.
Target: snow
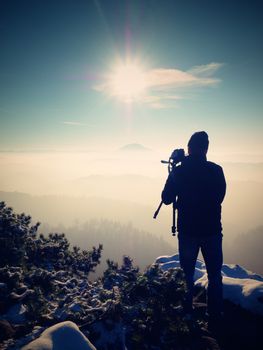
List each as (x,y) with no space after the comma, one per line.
(237,271)
(166,259)
(240,286)
(170,265)
(64,336)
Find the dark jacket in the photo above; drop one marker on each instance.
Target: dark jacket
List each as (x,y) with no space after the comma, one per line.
(198,187)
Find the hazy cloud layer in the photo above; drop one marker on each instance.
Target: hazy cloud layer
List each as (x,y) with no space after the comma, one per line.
(75,123)
(163,86)
(206,69)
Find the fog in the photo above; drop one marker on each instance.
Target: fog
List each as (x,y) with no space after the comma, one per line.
(66,190)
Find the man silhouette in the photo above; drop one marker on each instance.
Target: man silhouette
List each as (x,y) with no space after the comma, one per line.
(198,187)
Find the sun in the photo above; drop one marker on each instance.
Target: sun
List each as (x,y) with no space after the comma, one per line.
(127,82)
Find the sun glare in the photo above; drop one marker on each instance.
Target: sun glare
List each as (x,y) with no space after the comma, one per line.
(127,82)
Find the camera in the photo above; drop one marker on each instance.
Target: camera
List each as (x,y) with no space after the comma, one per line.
(176,157)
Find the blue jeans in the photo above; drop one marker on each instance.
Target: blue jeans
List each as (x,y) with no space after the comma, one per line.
(211,248)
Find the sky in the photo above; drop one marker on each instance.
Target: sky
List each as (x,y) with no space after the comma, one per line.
(99,74)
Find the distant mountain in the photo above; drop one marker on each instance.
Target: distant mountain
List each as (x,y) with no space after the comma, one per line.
(135,147)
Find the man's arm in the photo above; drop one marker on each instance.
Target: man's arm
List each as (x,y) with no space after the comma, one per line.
(221,185)
(169,192)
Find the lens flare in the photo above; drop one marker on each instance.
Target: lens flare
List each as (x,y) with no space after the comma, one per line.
(127,82)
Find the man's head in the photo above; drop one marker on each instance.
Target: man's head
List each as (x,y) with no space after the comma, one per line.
(198,143)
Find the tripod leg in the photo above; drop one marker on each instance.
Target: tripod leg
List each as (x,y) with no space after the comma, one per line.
(174,219)
(157,211)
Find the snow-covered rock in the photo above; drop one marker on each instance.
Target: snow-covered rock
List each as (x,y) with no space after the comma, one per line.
(245,292)
(237,271)
(240,286)
(174,259)
(62,336)
(167,258)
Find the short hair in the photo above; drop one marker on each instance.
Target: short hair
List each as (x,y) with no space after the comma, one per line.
(199,142)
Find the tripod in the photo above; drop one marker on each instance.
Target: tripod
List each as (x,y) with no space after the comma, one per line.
(176,157)
(173,228)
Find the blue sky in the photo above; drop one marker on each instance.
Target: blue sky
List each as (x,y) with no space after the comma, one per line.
(55,56)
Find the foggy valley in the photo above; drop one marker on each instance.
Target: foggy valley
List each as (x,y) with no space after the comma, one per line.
(116,208)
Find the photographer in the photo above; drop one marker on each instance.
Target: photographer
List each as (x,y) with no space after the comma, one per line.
(198,187)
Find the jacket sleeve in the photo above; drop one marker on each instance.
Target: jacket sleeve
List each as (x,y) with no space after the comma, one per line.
(170,190)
